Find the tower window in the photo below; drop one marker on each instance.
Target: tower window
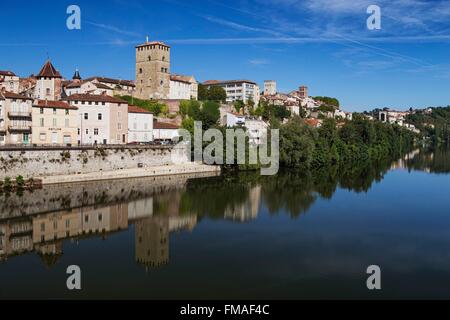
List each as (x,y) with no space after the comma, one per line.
(140,70)
(163,58)
(149,58)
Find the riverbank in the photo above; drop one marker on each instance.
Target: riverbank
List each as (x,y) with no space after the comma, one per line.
(167,170)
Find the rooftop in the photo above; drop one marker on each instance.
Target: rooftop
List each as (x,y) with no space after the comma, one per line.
(7,73)
(112,81)
(54,105)
(212,82)
(165,125)
(95,98)
(10,95)
(49,71)
(134,109)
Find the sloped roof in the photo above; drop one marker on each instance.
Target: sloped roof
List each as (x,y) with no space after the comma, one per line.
(134,109)
(54,104)
(95,98)
(7,73)
(49,71)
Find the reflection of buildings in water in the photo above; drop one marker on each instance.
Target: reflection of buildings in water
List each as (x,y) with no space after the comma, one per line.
(152,238)
(402,162)
(152,241)
(248,210)
(44,233)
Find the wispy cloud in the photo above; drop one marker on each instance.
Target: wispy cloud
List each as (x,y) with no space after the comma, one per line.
(259,62)
(112,28)
(242,27)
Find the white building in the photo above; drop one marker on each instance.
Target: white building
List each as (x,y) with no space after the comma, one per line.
(48,83)
(90,87)
(243,90)
(270,87)
(102,119)
(164,131)
(9,81)
(235,119)
(140,125)
(256,128)
(183,87)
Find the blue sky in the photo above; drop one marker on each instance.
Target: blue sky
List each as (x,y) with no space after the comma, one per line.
(323,44)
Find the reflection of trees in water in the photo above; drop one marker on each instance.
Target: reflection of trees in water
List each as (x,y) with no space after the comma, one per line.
(291,191)
(434,161)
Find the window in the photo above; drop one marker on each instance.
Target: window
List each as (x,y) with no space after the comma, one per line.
(42,227)
(119,126)
(95,132)
(67,223)
(86,116)
(149,58)
(79,131)
(100,217)
(86,218)
(42,136)
(2,138)
(87,131)
(54,122)
(99,116)
(54,110)
(67,112)
(140,70)
(41,122)
(48,92)
(41,111)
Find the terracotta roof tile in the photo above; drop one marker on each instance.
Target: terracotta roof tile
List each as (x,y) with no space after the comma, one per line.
(7,73)
(49,71)
(95,98)
(10,95)
(134,109)
(54,104)
(165,125)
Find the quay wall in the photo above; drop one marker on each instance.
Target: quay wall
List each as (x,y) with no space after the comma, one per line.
(63,161)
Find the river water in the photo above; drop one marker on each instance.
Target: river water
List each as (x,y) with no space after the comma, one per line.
(293,236)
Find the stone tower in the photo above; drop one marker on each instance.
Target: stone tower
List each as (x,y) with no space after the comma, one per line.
(152,70)
(48,83)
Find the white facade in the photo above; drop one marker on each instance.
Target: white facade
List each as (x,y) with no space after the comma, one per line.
(270,87)
(165,131)
(234,119)
(242,90)
(179,90)
(88,87)
(256,128)
(9,81)
(183,88)
(140,125)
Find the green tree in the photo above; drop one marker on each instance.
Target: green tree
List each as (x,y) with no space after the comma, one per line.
(203,92)
(217,94)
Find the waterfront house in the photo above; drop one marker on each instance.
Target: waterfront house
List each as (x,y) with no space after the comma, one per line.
(140,125)
(102,119)
(15,118)
(163,131)
(54,123)
(9,81)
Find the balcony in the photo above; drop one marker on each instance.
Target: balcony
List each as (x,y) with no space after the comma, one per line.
(19,114)
(20,128)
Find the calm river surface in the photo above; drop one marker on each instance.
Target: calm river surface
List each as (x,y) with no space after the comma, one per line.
(293,236)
